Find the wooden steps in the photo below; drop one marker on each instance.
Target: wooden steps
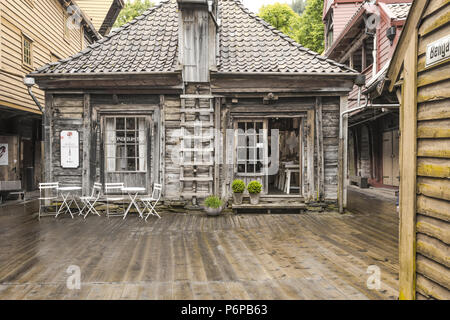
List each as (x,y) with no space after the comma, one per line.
(270,207)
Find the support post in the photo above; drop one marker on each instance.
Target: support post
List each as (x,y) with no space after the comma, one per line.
(48,152)
(342,158)
(408,167)
(87,115)
(310,154)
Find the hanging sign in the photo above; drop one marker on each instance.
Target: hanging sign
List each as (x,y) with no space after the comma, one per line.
(70,149)
(3,154)
(438,51)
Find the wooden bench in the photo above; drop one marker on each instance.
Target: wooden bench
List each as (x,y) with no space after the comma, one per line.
(11,187)
(361,182)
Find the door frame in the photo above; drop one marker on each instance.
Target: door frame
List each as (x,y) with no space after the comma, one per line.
(235,118)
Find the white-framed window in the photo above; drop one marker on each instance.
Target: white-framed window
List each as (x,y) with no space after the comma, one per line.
(126,144)
(250,145)
(27,51)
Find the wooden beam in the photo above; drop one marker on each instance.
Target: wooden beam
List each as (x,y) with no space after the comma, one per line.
(86,166)
(217,153)
(162,147)
(342,157)
(310,154)
(320,151)
(408,163)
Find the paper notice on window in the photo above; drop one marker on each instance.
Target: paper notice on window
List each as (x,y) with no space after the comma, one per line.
(70,149)
(438,51)
(3,154)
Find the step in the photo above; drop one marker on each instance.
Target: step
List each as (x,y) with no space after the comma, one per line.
(196,179)
(280,207)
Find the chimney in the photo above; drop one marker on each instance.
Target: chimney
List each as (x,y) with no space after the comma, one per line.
(198,38)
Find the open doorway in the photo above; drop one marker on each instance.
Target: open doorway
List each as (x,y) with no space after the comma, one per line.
(287,181)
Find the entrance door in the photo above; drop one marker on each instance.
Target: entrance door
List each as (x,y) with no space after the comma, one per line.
(127,150)
(251,143)
(391,171)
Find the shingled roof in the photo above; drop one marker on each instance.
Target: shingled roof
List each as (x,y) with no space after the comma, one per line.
(399,10)
(150,44)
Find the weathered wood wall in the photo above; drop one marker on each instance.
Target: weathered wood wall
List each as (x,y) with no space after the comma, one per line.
(433,160)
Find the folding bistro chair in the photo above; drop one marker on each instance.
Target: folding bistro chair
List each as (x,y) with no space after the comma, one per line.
(48,193)
(114,193)
(151,203)
(90,201)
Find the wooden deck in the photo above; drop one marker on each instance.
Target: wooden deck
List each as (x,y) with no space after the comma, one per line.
(307,256)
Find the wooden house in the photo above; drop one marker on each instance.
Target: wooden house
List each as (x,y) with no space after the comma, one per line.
(191,94)
(420,76)
(103,13)
(32,33)
(363,36)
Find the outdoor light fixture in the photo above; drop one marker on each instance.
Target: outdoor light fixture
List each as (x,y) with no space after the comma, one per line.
(390,34)
(28,81)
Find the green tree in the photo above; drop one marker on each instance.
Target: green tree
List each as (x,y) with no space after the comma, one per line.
(132,10)
(298,6)
(311,31)
(282,17)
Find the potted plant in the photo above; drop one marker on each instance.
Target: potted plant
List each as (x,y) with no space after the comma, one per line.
(214,206)
(254,189)
(238,187)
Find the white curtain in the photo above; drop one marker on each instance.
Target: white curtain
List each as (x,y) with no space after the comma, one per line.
(142,145)
(110,145)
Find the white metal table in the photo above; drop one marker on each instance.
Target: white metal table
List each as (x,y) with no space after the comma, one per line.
(67,194)
(133,194)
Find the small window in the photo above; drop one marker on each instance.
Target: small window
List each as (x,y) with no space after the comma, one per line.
(126,144)
(27,51)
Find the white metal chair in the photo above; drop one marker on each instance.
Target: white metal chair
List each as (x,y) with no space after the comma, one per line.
(89,202)
(48,193)
(114,193)
(151,203)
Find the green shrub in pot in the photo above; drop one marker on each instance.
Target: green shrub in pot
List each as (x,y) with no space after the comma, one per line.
(254,188)
(214,205)
(238,187)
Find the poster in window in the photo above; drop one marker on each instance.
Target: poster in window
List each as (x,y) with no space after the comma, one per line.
(3,154)
(70,149)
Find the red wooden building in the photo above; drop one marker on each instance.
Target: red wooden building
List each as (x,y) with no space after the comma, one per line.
(363,35)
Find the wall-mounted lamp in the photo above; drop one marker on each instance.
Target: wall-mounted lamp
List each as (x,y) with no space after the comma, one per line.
(391,33)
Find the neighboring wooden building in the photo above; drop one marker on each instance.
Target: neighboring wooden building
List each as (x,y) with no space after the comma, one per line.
(103,13)
(363,36)
(420,75)
(32,33)
(188,98)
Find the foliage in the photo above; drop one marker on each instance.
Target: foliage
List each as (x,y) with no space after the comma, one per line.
(282,17)
(132,10)
(298,6)
(311,31)
(213,202)
(238,186)
(254,187)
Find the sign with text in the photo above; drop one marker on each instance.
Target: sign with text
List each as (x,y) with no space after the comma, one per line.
(3,154)
(70,149)
(438,51)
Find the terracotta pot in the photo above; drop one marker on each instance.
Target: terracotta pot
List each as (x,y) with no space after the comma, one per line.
(237,198)
(213,211)
(254,198)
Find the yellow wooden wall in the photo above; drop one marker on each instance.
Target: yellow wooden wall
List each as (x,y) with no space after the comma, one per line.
(433,160)
(43,22)
(96,10)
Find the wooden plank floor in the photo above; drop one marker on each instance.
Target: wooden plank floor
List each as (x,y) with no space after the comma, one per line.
(181,256)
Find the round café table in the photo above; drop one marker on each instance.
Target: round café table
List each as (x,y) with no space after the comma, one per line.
(133,194)
(67,194)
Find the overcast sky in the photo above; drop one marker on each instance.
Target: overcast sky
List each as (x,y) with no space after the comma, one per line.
(254,5)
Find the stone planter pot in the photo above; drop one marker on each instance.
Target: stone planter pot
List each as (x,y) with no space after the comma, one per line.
(254,198)
(237,198)
(213,212)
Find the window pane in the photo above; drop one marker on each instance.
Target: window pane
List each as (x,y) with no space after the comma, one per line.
(131,123)
(131,137)
(131,164)
(120,124)
(131,151)
(120,137)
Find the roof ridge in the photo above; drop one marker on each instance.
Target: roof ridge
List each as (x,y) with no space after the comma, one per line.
(96,44)
(287,38)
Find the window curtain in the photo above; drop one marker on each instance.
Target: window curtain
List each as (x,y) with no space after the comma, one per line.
(110,145)
(142,145)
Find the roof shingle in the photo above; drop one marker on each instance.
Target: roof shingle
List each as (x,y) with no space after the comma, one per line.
(150,44)
(399,10)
